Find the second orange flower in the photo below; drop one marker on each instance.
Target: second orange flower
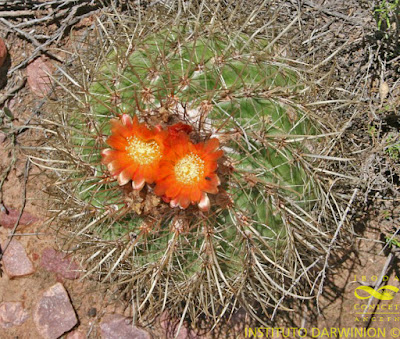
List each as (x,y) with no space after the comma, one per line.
(188,172)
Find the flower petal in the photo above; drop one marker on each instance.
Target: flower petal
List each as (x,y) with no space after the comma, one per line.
(211,145)
(195,195)
(117,161)
(184,201)
(117,142)
(214,156)
(117,128)
(138,184)
(174,203)
(210,166)
(172,189)
(114,166)
(127,120)
(204,204)
(160,189)
(124,177)
(106,152)
(210,184)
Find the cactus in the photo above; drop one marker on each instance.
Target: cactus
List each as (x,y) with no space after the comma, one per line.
(262,230)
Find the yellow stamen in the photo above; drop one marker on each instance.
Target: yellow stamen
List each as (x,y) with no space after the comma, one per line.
(190,169)
(143,152)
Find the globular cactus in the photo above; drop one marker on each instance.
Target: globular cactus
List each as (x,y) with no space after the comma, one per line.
(266,222)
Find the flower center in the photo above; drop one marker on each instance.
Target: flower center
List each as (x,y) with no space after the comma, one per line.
(143,152)
(189,169)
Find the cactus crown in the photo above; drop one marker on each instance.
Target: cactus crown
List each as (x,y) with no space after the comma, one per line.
(262,228)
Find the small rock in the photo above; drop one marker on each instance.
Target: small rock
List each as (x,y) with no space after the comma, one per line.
(54,314)
(9,219)
(12,313)
(58,262)
(3,52)
(116,326)
(76,335)
(15,260)
(38,75)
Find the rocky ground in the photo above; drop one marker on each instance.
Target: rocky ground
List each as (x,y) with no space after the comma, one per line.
(41,294)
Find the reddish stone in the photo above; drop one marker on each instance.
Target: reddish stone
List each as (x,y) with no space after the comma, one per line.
(12,314)
(15,260)
(9,219)
(38,75)
(58,262)
(76,335)
(54,314)
(116,326)
(3,52)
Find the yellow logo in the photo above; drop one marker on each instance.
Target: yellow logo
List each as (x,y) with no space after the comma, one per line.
(387,294)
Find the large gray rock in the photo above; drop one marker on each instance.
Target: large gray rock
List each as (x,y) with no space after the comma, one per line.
(54,314)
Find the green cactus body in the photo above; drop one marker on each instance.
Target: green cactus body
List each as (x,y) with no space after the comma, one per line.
(230,89)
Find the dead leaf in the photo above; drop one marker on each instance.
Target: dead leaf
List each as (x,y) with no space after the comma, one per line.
(38,77)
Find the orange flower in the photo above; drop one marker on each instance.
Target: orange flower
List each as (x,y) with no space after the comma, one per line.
(136,151)
(187,172)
